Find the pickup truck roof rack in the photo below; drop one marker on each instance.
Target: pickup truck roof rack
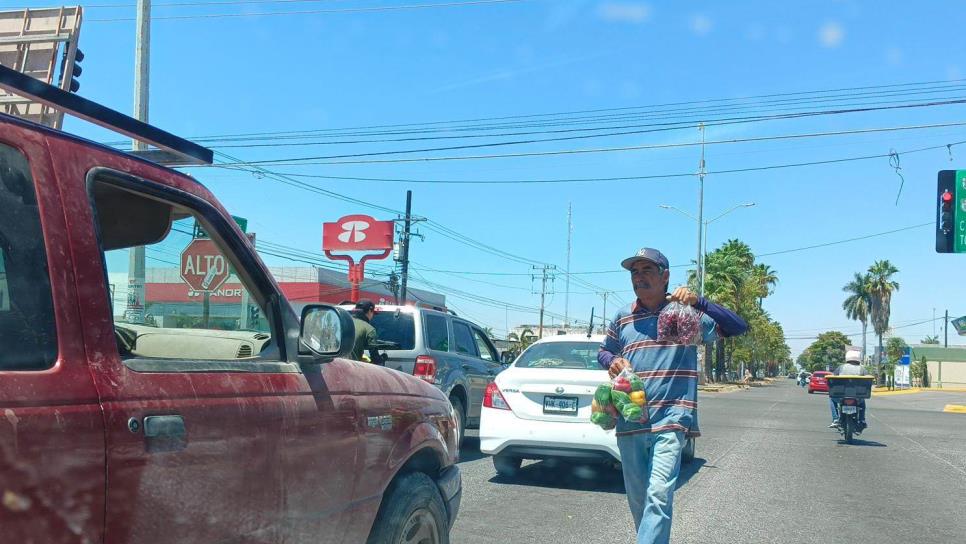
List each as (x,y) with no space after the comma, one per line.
(172,150)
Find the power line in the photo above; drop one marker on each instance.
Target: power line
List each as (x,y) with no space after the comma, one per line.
(300,161)
(197,4)
(623,178)
(278,139)
(619,109)
(408,7)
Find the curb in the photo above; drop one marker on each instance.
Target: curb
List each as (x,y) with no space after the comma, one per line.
(916,390)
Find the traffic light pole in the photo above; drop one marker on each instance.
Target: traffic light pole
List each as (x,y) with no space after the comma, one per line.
(142,46)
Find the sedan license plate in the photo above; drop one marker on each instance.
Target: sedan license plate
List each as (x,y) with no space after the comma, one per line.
(849,409)
(560,405)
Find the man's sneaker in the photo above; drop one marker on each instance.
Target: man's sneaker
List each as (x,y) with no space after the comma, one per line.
(834,425)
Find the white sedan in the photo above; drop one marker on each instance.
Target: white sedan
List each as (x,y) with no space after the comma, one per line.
(539,407)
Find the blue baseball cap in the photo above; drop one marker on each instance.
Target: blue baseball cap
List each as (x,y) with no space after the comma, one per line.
(646,254)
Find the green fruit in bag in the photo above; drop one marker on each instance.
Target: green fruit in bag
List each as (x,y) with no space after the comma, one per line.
(637,384)
(602,419)
(632,412)
(602,395)
(620,399)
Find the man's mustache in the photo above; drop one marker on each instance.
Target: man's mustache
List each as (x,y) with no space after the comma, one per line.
(642,285)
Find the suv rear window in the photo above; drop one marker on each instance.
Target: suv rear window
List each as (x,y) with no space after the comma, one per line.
(27,331)
(396,327)
(563,355)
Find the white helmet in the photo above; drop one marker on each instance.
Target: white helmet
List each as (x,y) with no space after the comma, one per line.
(853,356)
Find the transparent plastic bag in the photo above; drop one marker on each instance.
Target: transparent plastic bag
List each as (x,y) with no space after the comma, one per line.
(623,397)
(679,324)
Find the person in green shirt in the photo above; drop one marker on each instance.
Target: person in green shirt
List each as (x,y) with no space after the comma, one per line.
(366,335)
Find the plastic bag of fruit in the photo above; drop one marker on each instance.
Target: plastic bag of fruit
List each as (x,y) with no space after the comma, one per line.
(679,324)
(623,397)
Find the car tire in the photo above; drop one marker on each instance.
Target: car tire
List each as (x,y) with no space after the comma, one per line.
(460,412)
(412,511)
(810,391)
(506,465)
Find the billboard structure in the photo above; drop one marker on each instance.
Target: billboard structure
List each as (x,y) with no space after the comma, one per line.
(357,233)
(40,43)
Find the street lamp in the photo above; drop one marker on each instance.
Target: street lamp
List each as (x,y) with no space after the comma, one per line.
(703,236)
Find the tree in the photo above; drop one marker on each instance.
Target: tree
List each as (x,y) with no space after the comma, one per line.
(930,340)
(858,304)
(895,348)
(920,372)
(881,286)
(825,353)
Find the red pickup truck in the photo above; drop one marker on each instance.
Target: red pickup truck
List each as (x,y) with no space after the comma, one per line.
(121,427)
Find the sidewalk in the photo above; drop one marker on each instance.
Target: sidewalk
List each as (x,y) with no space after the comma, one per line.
(883,392)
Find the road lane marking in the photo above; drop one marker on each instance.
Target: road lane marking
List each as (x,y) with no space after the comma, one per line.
(955,408)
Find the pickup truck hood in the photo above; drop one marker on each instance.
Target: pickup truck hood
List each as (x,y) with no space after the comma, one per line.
(349,377)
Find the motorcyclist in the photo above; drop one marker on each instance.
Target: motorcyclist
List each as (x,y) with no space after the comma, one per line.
(851,367)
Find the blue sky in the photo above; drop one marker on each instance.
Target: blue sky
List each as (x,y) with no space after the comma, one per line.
(213,76)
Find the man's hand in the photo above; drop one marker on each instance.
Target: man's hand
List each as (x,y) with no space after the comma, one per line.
(684,296)
(617,365)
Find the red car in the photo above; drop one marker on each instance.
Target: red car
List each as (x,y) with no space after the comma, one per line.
(228,419)
(818,382)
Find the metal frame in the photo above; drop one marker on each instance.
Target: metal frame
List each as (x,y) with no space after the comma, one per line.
(69,103)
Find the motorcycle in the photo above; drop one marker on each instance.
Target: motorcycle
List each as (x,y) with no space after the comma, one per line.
(845,392)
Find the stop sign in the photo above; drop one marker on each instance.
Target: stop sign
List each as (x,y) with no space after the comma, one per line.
(203,267)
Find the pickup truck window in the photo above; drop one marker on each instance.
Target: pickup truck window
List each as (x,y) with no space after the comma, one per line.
(187,303)
(27,331)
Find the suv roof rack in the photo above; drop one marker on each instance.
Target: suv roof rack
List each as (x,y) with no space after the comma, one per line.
(172,150)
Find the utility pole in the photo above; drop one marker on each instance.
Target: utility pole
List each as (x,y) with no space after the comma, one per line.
(545,274)
(136,264)
(603,316)
(405,247)
(699,273)
(570,232)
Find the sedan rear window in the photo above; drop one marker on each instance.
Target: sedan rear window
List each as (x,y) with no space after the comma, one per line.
(563,355)
(396,328)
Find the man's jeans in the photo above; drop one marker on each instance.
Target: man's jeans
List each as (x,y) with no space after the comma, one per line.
(651,464)
(835,411)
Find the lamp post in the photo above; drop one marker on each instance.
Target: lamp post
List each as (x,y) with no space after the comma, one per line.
(700,273)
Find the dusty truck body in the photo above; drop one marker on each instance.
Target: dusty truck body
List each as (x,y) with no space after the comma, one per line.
(132,433)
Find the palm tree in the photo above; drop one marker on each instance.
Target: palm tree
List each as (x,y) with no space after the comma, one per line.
(858,304)
(766,278)
(930,340)
(881,286)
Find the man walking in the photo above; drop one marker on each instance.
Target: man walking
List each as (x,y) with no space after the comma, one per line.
(651,451)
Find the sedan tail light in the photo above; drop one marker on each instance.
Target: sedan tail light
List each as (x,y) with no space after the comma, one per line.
(493,398)
(425,368)
(849,402)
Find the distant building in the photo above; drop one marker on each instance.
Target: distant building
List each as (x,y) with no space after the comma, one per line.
(548,330)
(946,367)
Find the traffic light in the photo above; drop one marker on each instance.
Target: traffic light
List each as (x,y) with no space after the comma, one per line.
(951,215)
(73,71)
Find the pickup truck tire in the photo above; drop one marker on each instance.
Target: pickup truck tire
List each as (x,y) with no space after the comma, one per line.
(460,411)
(412,512)
(507,466)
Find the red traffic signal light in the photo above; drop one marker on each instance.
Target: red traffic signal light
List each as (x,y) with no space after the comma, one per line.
(947,197)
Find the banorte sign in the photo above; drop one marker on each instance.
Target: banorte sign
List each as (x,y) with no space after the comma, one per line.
(357,233)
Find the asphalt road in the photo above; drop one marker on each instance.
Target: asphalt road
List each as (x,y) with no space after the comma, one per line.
(767,470)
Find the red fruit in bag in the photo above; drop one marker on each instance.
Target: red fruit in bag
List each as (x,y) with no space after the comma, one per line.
(622,384)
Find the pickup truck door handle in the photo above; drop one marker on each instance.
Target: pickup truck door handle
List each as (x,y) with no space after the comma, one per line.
(165,433)
(467,367)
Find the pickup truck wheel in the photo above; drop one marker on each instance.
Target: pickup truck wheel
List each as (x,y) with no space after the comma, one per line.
(506,465)
(412,512)
(460,411)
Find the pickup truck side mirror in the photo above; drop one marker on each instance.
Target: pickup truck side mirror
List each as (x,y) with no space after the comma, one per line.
(326,331)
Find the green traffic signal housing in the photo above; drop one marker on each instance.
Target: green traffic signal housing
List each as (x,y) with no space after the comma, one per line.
(951,215)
